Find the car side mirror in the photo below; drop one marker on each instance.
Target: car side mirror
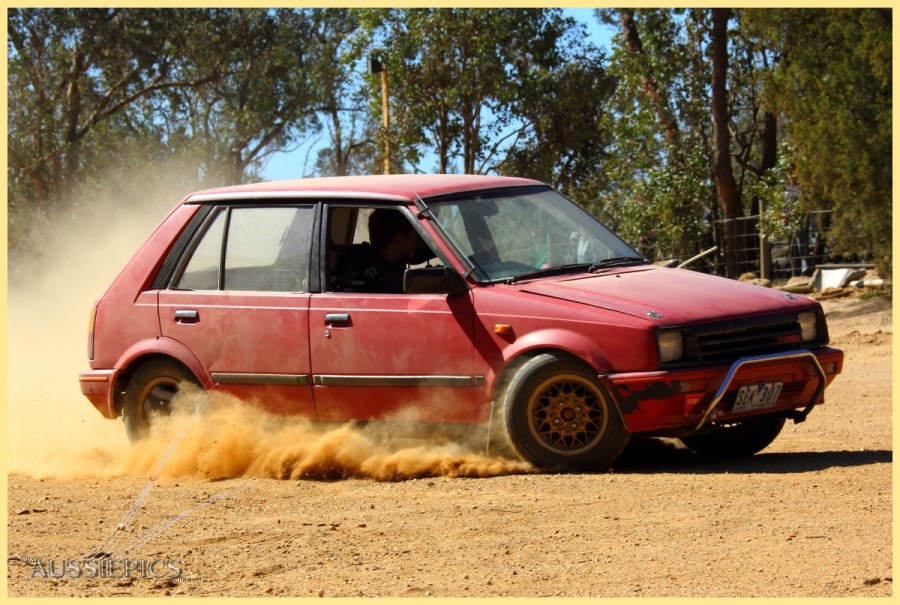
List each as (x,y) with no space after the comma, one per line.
(434,280)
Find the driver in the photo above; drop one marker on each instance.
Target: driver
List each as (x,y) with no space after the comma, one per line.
(378,266)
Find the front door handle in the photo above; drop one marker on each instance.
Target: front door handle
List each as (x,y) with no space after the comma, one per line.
(334,320)
(187,316)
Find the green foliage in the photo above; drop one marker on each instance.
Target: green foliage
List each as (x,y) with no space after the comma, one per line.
(487,90)
(344,110)
(829,82)
(262,97)
(216,88)
(627,134)
(659,169)
(834,89)
(562,94)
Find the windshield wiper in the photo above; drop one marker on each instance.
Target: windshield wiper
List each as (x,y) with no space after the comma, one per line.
(619,261)
(550,271)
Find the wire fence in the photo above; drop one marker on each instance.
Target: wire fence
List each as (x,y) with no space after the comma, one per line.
(793,252)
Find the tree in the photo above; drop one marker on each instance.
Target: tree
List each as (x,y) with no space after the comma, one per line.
(797,97)
(696,113)
(660,170)
(560,97)
(833,89)
(463,73)
(343,96)
(729,194)
(265,95)
(93,90)
(73,72)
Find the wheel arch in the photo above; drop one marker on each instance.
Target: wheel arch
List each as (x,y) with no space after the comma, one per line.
(167,350)
(551,340)
(556,341)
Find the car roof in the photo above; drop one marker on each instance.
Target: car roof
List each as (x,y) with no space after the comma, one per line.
(392,187)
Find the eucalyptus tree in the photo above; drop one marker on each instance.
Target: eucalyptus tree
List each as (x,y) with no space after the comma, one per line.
(79,79)
(719,111)
(457,78)
(265,96)
(98,93)
(661,168)
(832,91)
(558,107)
(343,106)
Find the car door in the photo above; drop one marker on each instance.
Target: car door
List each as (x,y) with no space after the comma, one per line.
(390,356)
(240,303)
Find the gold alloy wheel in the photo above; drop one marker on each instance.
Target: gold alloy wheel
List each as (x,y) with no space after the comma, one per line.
(567,414)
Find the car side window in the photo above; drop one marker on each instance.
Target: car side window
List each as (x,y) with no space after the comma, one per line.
(202,270)
(354,261)
(262,249)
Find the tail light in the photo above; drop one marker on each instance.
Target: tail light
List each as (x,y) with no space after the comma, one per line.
(91,320)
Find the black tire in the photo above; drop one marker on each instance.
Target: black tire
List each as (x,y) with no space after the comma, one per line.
(149,394)
(740,438)
(558,417)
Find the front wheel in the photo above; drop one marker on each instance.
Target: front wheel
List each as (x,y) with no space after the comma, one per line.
(149,395)
(740,438)
(558,417)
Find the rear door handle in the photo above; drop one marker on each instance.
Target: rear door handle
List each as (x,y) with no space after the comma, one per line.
(187,316)
(333,320)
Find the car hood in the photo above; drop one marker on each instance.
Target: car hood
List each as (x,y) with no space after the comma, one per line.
(667,296)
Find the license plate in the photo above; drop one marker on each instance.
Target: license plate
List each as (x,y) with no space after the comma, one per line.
(757,396)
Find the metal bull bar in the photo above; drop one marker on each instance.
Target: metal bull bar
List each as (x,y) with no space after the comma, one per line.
(760,359)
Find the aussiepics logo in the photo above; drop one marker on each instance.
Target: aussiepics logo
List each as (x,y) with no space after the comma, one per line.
(107,568)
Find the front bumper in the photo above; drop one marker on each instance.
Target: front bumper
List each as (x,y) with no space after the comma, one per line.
(693,397)
(97,386)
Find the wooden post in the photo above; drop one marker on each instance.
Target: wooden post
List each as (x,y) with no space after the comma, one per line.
(764,250)
(385,120)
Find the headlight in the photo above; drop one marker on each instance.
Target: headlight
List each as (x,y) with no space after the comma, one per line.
(671,346)
(809,323)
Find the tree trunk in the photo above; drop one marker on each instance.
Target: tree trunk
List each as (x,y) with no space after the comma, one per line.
(657,94)
(769,161)
(444,139)
(726,185)
(340,160)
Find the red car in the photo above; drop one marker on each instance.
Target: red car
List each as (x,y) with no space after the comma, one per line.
(509,311)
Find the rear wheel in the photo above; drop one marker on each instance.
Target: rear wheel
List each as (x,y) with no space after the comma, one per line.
(149,395)
(740,438)
(558,417)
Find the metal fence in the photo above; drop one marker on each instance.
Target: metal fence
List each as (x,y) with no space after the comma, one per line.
(794,253)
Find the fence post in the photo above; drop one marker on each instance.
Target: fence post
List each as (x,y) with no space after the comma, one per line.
(764,251)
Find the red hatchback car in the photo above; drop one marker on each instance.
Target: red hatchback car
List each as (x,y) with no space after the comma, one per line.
(502,307)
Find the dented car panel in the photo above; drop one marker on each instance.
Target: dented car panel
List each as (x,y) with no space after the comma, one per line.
(520,313)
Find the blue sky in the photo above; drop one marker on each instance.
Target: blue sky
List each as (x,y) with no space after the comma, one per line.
(290,165)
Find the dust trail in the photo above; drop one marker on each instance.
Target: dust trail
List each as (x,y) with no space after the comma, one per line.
(237,439)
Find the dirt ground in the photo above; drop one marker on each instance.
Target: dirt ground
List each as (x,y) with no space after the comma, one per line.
(810,516)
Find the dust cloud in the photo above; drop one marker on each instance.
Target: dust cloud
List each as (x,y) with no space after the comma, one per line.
(53,431)
(230,438)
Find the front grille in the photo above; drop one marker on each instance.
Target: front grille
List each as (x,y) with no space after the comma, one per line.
(729,341)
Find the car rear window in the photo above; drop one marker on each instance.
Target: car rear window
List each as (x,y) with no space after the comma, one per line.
(252,249)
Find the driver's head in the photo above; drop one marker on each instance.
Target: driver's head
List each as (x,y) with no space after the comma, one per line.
(385,226)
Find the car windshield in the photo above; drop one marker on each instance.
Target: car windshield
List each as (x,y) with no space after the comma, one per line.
(528,232)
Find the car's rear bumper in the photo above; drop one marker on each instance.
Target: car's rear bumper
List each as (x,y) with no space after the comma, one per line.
(97,386)
(689,398)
